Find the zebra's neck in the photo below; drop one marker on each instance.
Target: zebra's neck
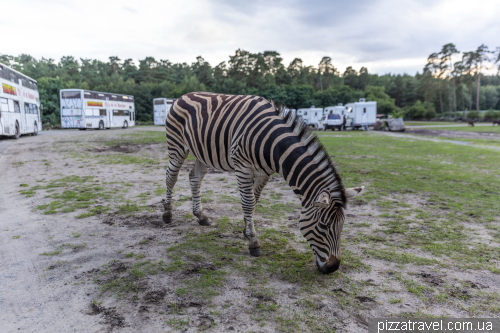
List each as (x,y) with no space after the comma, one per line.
(307,169)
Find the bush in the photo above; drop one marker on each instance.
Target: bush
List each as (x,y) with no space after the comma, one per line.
(491,115)
(420,111)
(472,115)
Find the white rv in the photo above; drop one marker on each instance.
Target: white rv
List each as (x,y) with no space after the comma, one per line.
(161,107)
(358,111)
(341,111)
(311,115)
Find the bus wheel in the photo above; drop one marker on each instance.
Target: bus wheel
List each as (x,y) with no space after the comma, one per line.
(125,124)
(35,131)
(18,133)
(101,125)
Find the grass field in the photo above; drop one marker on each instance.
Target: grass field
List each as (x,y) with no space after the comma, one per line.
(492,129)
(423,241)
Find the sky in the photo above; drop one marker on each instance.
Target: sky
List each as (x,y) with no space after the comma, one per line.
(386,36)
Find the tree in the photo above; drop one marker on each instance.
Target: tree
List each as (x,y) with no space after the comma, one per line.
(326,70)
(480,56)
(447,53)
(437,67)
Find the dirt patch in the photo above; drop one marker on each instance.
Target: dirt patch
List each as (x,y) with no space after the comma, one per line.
(118,149)
(452,134)
(111,317)
(137,220)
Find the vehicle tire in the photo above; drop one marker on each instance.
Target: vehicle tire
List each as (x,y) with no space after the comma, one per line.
(125,124)
(18,132)
(35,131)
(101,125)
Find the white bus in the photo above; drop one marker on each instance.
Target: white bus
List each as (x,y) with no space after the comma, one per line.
(161,107)
(19,104)
(84,109)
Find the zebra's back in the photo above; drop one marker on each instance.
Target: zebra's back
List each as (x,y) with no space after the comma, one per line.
(210,125)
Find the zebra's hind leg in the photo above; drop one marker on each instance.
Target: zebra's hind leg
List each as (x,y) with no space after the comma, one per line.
(195,178)
(176,159)
(245,180)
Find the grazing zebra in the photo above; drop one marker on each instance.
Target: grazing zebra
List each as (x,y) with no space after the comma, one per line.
(251,136)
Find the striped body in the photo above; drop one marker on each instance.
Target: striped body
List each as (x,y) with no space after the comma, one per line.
(249,135)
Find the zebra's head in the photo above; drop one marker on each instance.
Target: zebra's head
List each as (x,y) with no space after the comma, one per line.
(321,224)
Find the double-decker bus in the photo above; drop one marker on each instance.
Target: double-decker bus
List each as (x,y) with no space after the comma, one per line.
(84,109)
(161,107)
(19,104)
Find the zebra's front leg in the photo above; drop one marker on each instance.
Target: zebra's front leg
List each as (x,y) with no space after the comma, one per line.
(174,166)
(195,178)
(245,180)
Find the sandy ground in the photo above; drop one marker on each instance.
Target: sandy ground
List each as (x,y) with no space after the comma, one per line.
(55,293)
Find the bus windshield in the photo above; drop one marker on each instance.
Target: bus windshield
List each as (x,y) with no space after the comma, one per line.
(71,94)
(333,116)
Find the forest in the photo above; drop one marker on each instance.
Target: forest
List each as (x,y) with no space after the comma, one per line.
(450,83)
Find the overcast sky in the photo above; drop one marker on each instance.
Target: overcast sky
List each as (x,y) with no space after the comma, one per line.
(384,36)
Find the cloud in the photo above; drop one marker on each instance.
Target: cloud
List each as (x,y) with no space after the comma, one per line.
(383,35)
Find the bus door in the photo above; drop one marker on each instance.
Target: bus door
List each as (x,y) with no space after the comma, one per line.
(24,122)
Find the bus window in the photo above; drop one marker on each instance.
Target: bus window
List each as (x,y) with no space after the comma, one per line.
(115,112)
(159,102)
(16,107)
(2,72)
(13,77)
(26,108)
(35,109)
(133,116)
(88,94)
(100,96)
(126,113)
(102,112)
(4,106)
(71,94)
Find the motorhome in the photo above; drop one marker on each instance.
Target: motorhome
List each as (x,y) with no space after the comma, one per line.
(161,107)
(19,104)
(311,115)
(358,111)
(85,109)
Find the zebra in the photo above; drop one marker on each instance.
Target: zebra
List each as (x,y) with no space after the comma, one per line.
(256,138)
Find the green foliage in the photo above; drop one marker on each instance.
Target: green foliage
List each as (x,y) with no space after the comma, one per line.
(263,74)
(492,115)
(419,111)
(473,115)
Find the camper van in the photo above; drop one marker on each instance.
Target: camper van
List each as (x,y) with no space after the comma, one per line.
(311,115)
(356,110)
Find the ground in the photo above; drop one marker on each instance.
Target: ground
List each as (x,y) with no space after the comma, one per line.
(82,250)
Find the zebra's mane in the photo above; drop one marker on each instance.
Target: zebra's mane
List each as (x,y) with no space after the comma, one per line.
(316,149)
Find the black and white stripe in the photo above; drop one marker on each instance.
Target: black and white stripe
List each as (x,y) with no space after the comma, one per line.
(256,139)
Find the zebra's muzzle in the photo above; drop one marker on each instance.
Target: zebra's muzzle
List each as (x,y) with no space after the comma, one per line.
(330,266)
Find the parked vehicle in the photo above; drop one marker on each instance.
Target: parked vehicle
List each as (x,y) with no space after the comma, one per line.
(19,104)
(311,115)
(361,113)
(84,109)
(161,107)
(341,111)
(330,121)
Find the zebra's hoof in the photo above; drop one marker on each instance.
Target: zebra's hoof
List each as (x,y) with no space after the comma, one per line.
(256,252)
(205,222)
(167,217)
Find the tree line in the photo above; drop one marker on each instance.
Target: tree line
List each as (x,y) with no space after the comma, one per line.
(443,88)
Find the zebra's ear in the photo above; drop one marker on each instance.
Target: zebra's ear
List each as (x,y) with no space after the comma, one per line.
(323,200)
(352,192)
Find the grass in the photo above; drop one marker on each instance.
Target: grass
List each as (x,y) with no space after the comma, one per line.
(426,202)
(491,129)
